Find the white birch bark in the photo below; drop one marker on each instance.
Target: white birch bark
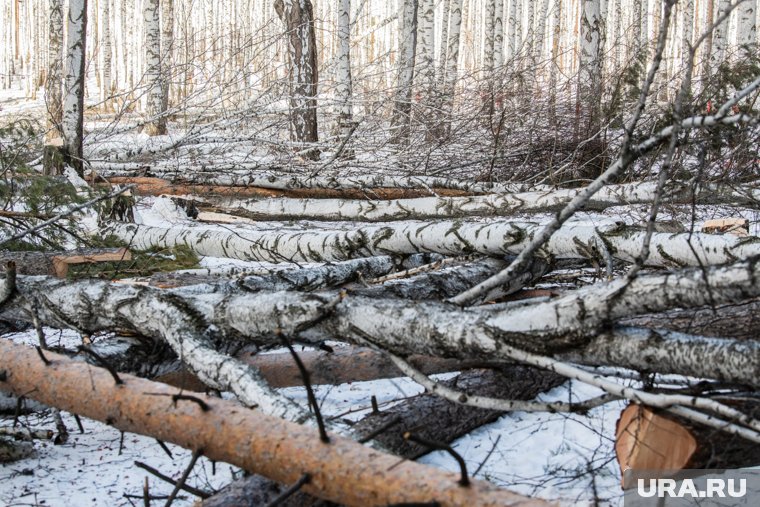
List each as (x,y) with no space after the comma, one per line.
(167,51)
(589,75)
(617,39)
(543,14)
(512,27)
(74,83)
(402,104)
(565,327)
(423,208)
(344,84)
(452,52)
(746,29)
(426,48)
(720,37)
(498,35)
(106,83)
(298,18)
(688,31)
(284,181)
(54,89)
(443,43)
(490,38)
(156,125)
(572,241)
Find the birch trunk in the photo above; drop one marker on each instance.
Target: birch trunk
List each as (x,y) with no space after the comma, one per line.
(498,37)
(746,29)
(167,51)
(424,208)
(298,18)
(452,53)
(444,43)
(688,32)
(344,85)
(707,47)
(72,122)
(720,37)
(589,75)
(106,84)
(426,46)
(156,125)
(402,104)
(490,39)
(53,161)
(576,325)
(572,241)
(512,27)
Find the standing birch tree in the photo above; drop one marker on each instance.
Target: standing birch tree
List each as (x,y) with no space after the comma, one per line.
(72,121)
(589,75)
(344,85)
(154,75)
(402,104)
(52,160)
(298,18)
(746,29)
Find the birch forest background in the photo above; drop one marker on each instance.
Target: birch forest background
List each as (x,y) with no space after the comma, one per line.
(363,252)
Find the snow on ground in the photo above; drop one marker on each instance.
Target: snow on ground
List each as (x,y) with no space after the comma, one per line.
(553,456)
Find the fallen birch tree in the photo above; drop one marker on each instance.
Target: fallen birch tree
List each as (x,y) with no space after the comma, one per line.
(501,204)
(564,328)
(574,240)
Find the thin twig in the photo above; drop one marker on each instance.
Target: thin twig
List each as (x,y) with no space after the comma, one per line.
(304,480)
(181,482)
(190,489)
(464,480)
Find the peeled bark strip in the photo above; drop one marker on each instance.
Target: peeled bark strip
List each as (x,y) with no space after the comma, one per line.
(342,470)
(574,240)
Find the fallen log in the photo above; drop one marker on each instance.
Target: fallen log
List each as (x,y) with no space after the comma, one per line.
(297,181)
(342,470)
(738,321)
(604,242)
(443,207)
(344,364)
(57,263)
(439,420)
(439,284)
(564,326)
(303,278)
(425,208)
(157,186)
